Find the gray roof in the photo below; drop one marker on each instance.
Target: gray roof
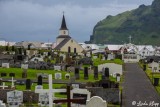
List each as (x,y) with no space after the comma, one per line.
(25,44)
(63,36)
(60,45)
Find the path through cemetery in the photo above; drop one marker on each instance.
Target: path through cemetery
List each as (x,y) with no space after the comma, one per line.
(138,88)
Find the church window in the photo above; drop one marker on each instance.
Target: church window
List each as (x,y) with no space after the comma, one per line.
(64,32)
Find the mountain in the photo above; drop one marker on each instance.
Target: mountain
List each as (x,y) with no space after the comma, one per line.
(143,24)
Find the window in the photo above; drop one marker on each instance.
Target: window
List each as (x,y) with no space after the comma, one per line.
(64,32)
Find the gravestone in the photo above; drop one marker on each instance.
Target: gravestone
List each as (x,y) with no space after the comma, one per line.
(67,76)
(80,93)
(39,80)
(58,75)
(106,73)
(12,84)
(1,81)
(3,74)
(156,81)
(58,68)
(77,73)
(28,84)
(85,72)
(5,65)
(11,74)
(3,86)
(75,86)
(24,73)
(144,67)
(24,66)
(2,104)
(96,101)
(118,77)
(43,99)
(14,98)
(96,72)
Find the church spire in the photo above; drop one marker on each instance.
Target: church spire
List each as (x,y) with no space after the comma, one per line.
(63,25)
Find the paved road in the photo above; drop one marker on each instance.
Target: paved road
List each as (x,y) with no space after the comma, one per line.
(138,88)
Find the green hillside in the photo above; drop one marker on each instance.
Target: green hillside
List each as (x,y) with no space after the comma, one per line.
(143,24)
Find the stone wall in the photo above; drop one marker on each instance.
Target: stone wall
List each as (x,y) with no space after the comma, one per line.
(113,68)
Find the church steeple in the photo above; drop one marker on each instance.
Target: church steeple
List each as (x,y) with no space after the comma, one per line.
(63,25)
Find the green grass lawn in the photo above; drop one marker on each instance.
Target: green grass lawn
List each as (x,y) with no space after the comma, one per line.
(149,74)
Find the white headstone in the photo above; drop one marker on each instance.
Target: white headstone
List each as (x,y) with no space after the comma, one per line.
(14,98)
(58,75)
(43,99)
(155,66)
(67,76)
(96,101)
(2,104)
(50,91)
(118,78)
(75,86)
(58,68)
(5,65)
(81,92)
(24,66)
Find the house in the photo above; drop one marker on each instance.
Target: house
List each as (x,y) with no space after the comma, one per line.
(64,42)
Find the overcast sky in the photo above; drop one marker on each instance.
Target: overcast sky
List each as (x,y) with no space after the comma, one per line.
(40,20)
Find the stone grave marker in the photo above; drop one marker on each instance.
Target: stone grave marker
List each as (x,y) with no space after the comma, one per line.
(77,73)
(85,72)
(96,72)
(155,66)
(1,81)
(80,93)
(118,77)
(5,65)
(24,73)
(67,76)
(156,82)
(14,98)
(58,75)
(96,101)
(58,68)
(75,86)
(2,104)
(28,84)
(43,99)
(24,66)
(106,73)
(3,86)
(11,74)
(50,91)
(40,82)
(13,81)
(3,74)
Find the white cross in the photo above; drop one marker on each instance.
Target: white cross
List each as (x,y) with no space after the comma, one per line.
(51,91)
(12,86)
(3,86)
(130,38)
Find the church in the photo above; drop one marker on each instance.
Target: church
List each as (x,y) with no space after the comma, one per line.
(64,42)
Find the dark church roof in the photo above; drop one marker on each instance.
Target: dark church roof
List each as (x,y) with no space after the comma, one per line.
(60,45)
(63,36)
(63,25)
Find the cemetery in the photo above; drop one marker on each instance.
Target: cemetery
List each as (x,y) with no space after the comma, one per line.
(30,84)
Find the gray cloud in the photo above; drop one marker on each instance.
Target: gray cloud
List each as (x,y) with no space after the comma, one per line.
(39,20)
